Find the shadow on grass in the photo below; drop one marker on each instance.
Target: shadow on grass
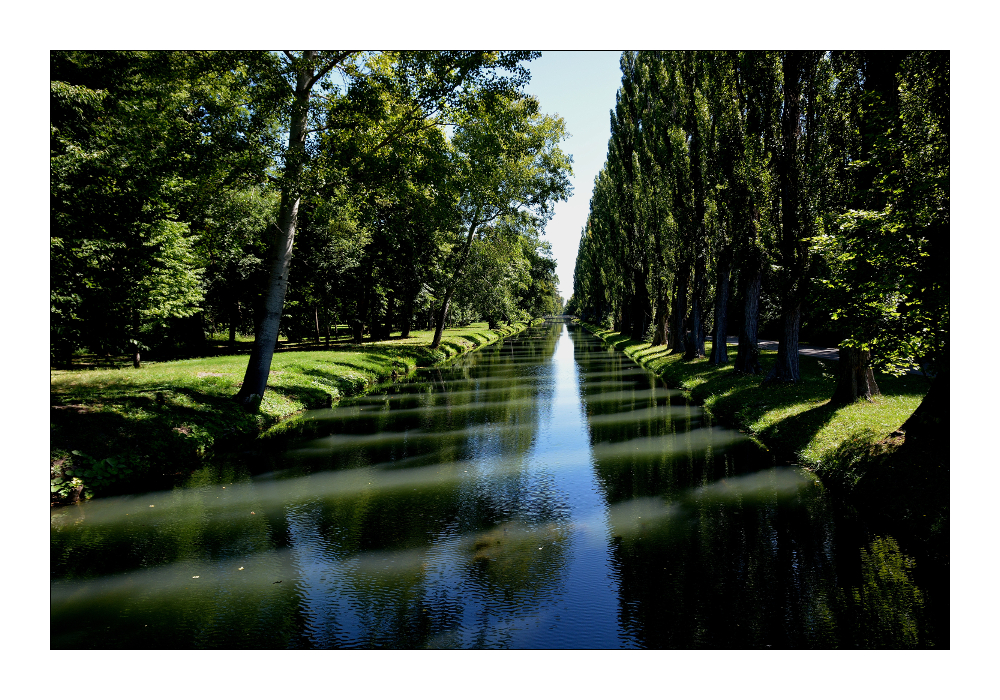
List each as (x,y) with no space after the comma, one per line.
(161,441)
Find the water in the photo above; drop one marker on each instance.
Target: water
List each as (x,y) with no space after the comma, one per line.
(542,493)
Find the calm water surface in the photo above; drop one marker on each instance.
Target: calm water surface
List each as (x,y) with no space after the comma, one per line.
(542,493)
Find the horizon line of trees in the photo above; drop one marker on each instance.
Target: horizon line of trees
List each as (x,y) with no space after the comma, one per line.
(804,191)
(291,192)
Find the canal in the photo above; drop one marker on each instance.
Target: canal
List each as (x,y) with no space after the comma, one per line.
(545,492)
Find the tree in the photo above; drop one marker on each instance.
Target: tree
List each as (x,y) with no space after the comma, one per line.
(497,275)
(307,70)
(508,166)
(430,82)
(137,150)
(799,166)
(886,286)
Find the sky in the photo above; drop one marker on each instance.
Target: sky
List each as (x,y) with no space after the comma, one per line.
(580,87)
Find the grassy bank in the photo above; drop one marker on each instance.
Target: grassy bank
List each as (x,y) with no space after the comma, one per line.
(851,448)
(795,420)
(123,430)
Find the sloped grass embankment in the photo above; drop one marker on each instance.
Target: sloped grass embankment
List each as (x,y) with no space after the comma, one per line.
(123,430)
(797,421)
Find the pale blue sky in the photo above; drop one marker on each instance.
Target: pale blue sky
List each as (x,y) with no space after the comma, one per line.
(580,87)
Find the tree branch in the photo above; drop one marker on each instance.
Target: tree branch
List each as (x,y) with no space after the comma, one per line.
(334,61)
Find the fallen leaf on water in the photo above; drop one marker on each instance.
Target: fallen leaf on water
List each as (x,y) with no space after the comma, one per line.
(252,513)
(152,506)
(196,577)
(240,569)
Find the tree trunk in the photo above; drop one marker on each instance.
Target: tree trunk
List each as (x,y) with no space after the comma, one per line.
(259,365)
(407,320)
(660,320)
(135,360)
(748,352)
(316,313)
(390,313)
(786,366)
(927,430)
(642,314)
(855,379)
(450,289)
(696,348)
(680,311)
(234,323)
(794,249)
(442,315)
(720,353)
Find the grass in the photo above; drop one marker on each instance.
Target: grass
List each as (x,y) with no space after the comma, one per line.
(125,429)
(795,420)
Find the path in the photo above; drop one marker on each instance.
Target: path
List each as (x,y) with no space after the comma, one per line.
(809,351)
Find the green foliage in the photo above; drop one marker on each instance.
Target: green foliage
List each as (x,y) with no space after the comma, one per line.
(886,253)
(86,474)
(140,141)
(168,168)
(829,170)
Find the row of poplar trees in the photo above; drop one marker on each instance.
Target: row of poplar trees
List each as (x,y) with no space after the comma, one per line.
(286,192)
(812,184)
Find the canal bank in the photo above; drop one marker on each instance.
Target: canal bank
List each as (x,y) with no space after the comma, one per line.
(116,431)
(796,421)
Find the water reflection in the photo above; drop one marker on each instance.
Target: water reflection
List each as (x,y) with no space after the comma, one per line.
(543,493)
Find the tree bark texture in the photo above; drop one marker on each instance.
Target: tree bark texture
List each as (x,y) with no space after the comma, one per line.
(642,314)
(748,352)
(406,322)
(234,319)
(855,379)
(786,366)
(661,319)
(792,248)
